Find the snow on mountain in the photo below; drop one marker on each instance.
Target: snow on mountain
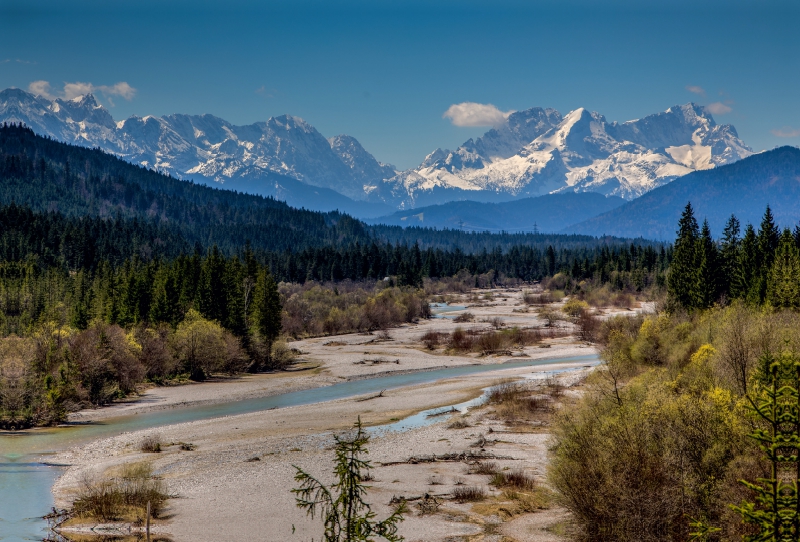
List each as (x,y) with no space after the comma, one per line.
(534,152)
(581,152)
(192,146)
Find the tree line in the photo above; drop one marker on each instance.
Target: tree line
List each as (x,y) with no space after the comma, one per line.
(758,267)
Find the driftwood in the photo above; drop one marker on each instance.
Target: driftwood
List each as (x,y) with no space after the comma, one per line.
(452,410)
(451,457)
(482,442)
(376,361)
(371,397)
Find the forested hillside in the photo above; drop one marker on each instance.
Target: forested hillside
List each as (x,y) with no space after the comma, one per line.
(46,175)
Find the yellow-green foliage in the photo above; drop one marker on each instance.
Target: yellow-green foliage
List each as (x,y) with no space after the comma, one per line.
(312,309)
(662,433)
(574,307)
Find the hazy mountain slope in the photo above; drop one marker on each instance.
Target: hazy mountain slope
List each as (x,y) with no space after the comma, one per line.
(548,213)
(744,188)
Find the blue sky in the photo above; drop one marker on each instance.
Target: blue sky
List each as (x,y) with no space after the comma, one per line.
(386,71)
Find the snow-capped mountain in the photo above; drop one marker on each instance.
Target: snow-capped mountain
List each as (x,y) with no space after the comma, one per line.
(192,146)
(538,152)
(534,152)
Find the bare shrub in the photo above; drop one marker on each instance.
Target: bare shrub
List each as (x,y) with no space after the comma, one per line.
(492,342)
(550,316)
(107,361)
(150,444)
(505,391)
(155,355)
(533,298)
(588,326)
(433,339)
(469,493)
(461,340)
(464,317)
(496,322)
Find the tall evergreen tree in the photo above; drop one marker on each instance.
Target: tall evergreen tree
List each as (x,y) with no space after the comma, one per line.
(783,288)
(682,282)
(708,270)
(768,236)
(747,270)
(166,298)
(211,296)
(267,308)
(729,253)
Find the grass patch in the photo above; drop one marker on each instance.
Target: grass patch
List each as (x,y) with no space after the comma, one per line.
(515,479)
(469,493)
(484,467)
(520,402)
(124,496)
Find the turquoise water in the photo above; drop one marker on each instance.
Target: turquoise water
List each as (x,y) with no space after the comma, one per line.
(25,481)
(441,310)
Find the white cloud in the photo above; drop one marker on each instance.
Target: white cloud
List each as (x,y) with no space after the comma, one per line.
(719,108)
(41,88)
(694,89)
(474,114)
(73,90)
(786,131)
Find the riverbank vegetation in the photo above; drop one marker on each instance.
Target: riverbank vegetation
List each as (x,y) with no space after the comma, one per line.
(658,445)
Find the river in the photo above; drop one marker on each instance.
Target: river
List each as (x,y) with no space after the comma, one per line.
(26,477)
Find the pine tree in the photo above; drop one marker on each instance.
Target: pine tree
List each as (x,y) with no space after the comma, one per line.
(783,289)
(682,282)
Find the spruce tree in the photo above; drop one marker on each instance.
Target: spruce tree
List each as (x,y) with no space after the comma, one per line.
(267,308)
(768,236)
(783,288)
(212,299)
(729,254)
(682,282)
(708,270)
(166,298)
(747,271)
(346,517)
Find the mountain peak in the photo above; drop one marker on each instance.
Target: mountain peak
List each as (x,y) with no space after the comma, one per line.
(204,147)
(538,151)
